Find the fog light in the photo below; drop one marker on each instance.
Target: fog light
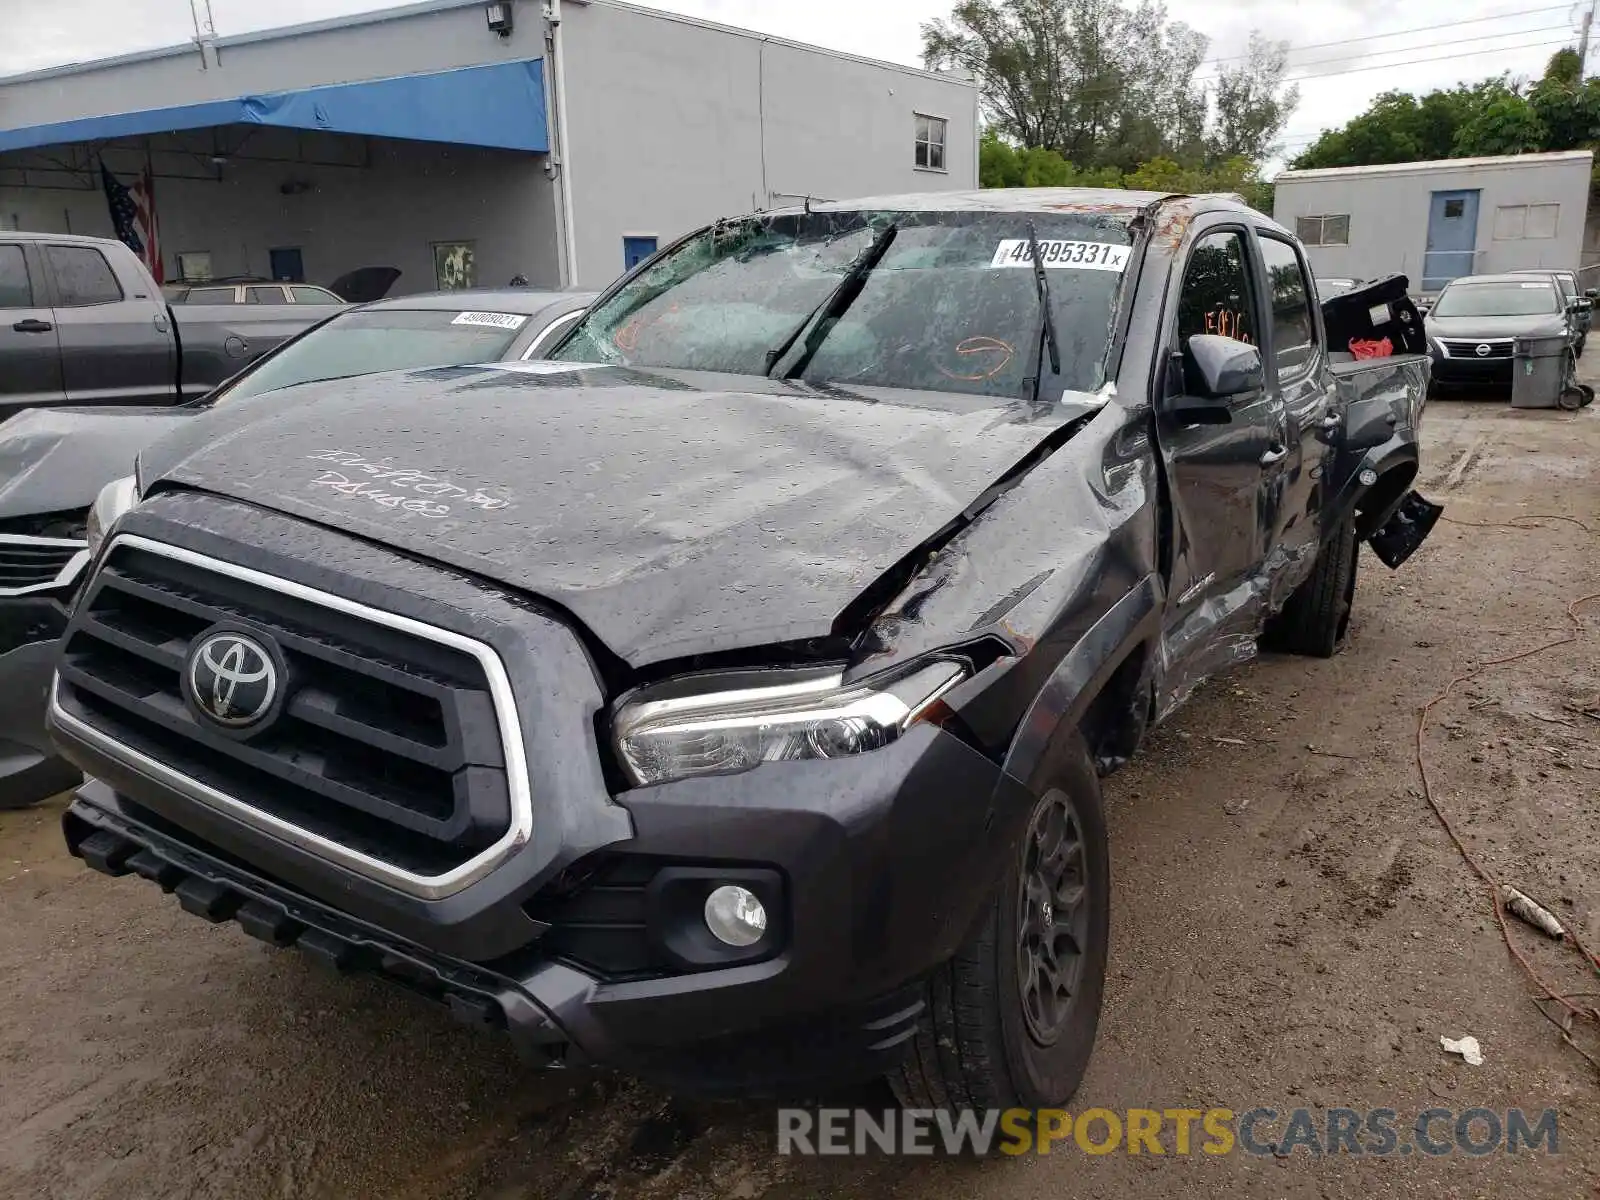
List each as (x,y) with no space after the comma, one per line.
(1368,477)
(735,916)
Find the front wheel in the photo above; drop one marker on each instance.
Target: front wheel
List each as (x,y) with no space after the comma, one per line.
(1010,1020)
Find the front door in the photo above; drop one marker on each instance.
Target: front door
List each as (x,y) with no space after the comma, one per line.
(1217,470)
(30,350)
(1452,238)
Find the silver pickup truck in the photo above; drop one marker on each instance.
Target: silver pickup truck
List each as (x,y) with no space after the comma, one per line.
(82,322)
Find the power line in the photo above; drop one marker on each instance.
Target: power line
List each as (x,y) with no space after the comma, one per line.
(1526,12)
(1482,37)
(1421,61)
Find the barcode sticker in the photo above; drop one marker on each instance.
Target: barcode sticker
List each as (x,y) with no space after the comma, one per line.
(491,319)
(1059,253)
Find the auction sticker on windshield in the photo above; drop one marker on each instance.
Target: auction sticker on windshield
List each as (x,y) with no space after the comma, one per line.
(1057,252)
(491,319)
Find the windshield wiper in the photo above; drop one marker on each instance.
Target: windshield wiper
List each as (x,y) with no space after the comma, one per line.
(833,305)
(1047,321)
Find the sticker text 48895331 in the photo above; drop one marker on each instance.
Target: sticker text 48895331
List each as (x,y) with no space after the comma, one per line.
(1059,253)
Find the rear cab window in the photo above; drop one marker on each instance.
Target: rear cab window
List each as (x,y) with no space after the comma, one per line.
(83,276)
(313,295)
(16,289)
(1294,326)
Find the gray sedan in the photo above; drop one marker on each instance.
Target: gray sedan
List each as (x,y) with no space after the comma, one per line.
(53,463)
(1475,322)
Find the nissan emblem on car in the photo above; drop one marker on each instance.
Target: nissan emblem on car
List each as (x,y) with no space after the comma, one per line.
(1483,349)
(232,679)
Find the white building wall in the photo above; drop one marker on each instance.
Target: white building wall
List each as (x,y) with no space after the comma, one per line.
(670,123)
(673,123)
(366,202)
(1388,209)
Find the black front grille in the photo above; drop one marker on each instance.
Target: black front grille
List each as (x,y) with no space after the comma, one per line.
(1470,349)
(387,742)
(31,562)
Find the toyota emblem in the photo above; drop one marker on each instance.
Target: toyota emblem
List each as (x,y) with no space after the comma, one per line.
(1483,349)
(233,679)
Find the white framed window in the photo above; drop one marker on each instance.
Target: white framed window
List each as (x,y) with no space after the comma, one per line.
(930,142)
(1519,222)
(1332,230)
(194,264)
(455,265)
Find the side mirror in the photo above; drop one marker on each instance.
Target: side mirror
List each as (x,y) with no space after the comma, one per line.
(1592,293)
(1220,367)
(1215,369)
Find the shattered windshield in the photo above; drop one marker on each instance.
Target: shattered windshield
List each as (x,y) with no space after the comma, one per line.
(952,305)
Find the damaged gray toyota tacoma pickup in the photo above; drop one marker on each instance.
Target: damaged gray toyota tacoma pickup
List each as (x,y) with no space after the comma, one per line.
(726,700)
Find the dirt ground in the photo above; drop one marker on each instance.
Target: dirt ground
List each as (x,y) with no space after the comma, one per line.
(1291,928)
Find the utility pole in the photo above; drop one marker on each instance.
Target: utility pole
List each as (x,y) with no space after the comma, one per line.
(1583,40)
(206,28)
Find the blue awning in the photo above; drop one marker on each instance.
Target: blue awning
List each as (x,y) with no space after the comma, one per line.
(500,105)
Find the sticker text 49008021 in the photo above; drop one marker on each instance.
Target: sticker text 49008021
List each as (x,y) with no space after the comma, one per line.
(1061,253)
(427,493)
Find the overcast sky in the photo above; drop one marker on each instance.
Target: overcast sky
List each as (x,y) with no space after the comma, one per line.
(1469,39)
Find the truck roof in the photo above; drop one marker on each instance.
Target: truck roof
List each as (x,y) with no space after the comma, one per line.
(70,238)
(494,299)
(1041,200)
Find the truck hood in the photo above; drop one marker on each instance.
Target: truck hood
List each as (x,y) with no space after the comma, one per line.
(57,459)
(1468,329)
(674,513)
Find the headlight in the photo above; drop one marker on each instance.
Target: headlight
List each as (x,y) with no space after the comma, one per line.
(722,732)
(116,498)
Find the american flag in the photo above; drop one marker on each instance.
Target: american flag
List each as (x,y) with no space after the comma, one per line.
(133,213)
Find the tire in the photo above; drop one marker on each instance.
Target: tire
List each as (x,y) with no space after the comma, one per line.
(980,1043)
(1317,616)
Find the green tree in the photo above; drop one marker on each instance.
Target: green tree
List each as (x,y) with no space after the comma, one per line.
(1252,105)
(1099,81)
(1499,115)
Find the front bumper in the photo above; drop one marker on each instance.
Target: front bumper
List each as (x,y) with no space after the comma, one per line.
(30,771)
(1471,372)
(886,862)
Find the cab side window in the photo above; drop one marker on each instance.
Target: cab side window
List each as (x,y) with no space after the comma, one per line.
(16,291)
(1216,296)
(83,277)
(1294,330)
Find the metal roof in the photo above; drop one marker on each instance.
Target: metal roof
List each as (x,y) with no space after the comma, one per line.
(1490,163)
(499,105)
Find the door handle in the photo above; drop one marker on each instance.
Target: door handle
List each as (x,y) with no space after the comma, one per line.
(1275,455)
(33,325)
